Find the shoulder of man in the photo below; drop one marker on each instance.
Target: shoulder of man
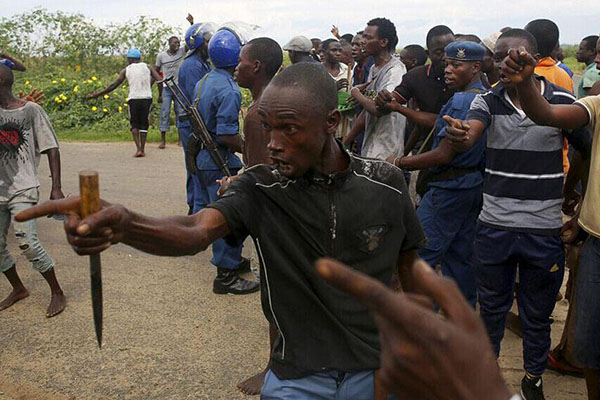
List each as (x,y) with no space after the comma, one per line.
(260,175)
(380,172)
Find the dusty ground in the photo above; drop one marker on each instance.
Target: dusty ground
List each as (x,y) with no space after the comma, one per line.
(166,336)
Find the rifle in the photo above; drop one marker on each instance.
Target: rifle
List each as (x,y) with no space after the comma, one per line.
(200,138)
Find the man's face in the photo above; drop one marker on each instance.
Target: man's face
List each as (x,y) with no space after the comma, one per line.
(333,54)
(501,51)
(174,45)
(436,48)
(407,60)
(373,45)
(584,53)
(488,65)
(358,42)
(298,129)
(246,69)
(458,74)
(315,44)
(347,54)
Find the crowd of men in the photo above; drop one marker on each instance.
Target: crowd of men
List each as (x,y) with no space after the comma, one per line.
(504,144)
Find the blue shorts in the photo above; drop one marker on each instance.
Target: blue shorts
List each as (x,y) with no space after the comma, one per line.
(587,305)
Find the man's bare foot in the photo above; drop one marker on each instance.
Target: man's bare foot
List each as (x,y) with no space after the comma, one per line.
(162,145)
(57,305)
(139,154)
(13,297)
(253,385)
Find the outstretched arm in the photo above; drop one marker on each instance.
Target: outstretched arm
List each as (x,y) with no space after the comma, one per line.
(18,65)
(462,135)
(441,155)
(109,88)
(168,236)
(519,66)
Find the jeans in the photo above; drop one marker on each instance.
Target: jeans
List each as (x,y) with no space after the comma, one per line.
(27,239)
(329,385)
(587,315)
(165,109)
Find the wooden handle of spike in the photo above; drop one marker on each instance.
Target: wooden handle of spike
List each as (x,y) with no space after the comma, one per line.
(90,192)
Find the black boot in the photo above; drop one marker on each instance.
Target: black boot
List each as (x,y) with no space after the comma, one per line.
(244,266)
(228,281)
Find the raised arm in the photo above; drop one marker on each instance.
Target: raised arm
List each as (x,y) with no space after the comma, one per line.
(168,236)
(519,66)
(109,88)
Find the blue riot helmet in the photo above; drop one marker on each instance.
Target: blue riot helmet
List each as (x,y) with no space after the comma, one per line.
(134,53)
(194,37)
(224,48)
(7,63)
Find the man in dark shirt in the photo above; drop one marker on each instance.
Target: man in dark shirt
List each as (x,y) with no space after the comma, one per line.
(307,205)
(426,85)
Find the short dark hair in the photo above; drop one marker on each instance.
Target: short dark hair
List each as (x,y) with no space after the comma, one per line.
(591,42)
(312,78)
(171,38)
(325,43)
(467,37)
(546,35)
(347,37)
(385,30)
(437,31)
(529,39)
(268,52)
(359,33)
(418,52)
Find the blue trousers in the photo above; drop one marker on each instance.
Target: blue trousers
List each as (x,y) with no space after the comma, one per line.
(541,262)
(205,192)
(184,131)
(165,109)
(329,385)
(449,219)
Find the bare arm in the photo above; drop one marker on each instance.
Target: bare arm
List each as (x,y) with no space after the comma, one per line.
(167,236)
(365,102)
(358,127)
(462,135)
(519,67)
(441,155)
(421,118)
(595,90)
(54,165)
(233,142)
(110,87)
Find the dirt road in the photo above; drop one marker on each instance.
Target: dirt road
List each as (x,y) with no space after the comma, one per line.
(166,336)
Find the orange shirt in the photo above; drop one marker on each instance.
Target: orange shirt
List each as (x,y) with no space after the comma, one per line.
(548,69)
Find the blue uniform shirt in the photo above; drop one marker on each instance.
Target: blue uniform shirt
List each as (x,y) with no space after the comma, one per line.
(190,72)
(219,106)
(457,107)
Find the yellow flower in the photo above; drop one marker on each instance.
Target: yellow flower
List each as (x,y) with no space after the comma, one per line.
(94,108)
(76,89)
(125,104)
(106,96)
(62,96)
(56,99)
(54,81)
(120,108)
(63,80)
(105,109)
(27,83)
(78,68)
(94,78)
(89,81)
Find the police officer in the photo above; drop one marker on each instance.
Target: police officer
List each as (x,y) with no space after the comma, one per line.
(449,209)
(192,70)
(219,103)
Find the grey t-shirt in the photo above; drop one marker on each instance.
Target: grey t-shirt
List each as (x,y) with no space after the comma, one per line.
(169,64)
(25,133)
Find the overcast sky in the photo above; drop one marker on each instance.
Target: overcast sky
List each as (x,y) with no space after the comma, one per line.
(282,19)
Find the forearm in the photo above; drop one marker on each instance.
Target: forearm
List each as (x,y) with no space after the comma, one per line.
(18,65)
(232,142)
(537,108)
(368,104)
(358,127)
(168,236)
(420,118)
(434,158)
(54,166)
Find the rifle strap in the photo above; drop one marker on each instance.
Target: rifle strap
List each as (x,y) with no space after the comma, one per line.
(197,98)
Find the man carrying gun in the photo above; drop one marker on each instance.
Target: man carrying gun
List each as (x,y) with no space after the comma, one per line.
(218,102)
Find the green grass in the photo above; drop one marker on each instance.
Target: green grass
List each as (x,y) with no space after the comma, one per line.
(98,133)
(575,66)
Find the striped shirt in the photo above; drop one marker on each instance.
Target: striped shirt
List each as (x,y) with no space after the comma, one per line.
(523,183)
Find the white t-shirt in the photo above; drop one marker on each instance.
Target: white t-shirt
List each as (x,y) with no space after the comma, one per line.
(25,133)
(384,136)
(138,77)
